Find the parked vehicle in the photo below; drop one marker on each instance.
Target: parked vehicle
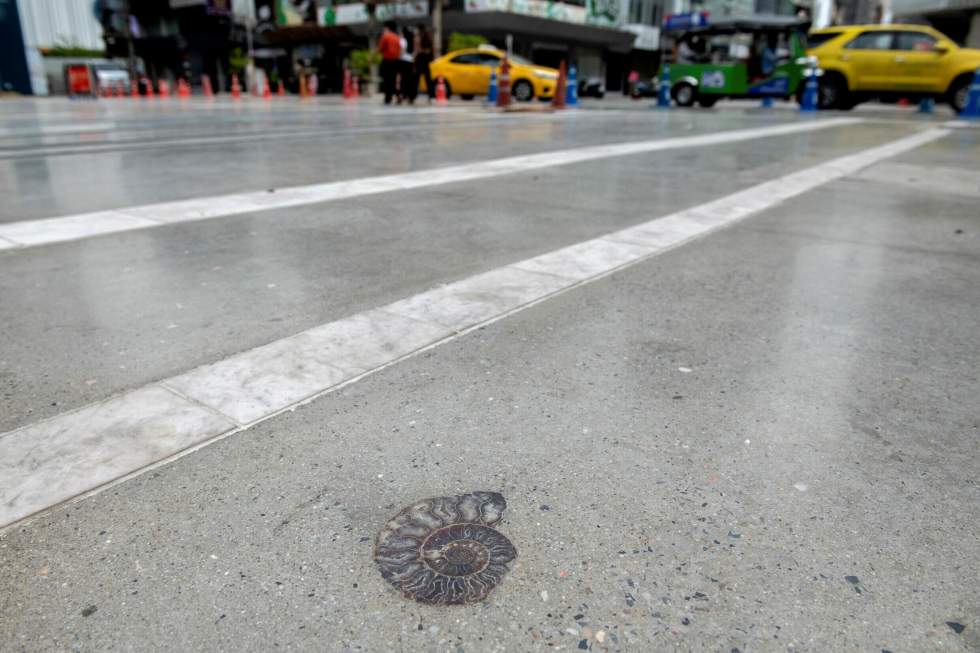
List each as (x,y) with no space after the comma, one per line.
(467,74)
(862,62)
(735,58)
(591,87)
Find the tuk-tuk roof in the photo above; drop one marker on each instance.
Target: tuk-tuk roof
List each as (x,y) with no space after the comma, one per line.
(755,23)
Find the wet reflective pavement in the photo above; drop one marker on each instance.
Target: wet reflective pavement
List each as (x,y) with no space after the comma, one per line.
(760,439)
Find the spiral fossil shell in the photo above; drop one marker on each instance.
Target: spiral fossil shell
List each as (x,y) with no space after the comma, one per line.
(444,551)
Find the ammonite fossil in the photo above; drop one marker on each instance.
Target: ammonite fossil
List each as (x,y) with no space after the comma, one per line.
(443,550)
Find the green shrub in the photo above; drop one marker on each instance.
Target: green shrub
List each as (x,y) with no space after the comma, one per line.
(360,62)
(459,41)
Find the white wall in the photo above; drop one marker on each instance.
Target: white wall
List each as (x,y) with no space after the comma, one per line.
(47,23)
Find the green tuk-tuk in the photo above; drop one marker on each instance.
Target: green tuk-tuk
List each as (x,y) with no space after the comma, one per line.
(734,58)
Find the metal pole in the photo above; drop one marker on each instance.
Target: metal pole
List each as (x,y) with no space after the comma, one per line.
(250,66)
(437,29)
(372,51)
(130,49)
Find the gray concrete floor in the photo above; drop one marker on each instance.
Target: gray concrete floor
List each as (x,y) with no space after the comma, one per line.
(809,483)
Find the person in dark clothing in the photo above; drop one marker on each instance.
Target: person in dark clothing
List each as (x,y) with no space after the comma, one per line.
(423,57)
(408,82)
(389,47)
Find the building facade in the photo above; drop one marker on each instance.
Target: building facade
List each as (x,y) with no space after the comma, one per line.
(958,19)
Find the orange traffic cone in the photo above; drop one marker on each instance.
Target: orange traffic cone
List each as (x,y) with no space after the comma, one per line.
(503,85)
(236,87)
(348,87)
(356,87)
(163,88)
(149,88)
(441,91)
(206,86)
(134,89)
(266,90)
(120,90)
(558,101)
(183,88)
(281,89)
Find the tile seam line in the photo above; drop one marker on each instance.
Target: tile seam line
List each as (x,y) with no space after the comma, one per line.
(474,170)
(923,137)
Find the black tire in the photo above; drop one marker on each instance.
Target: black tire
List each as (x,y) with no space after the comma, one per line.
(959,90)
(832,92)
(522,91)
(684,94)
(466,96)
(707,101)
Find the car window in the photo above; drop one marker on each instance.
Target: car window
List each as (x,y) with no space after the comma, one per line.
(918,41)
(816,40)
(488,59)
(470,58)
(872,41)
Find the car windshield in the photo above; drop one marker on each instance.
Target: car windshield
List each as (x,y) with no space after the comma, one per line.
(516,58)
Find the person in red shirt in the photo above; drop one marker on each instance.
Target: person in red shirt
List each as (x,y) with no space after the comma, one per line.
(390,49)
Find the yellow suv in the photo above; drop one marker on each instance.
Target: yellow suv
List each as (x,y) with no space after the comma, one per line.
(467,73)
(861,62)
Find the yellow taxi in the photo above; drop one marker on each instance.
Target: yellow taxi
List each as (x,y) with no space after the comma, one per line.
(861,62)
(467,73)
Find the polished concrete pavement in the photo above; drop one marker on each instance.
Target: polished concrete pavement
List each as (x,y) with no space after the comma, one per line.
(761,439)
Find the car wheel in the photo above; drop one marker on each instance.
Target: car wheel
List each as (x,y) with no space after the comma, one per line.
(832,93)
(466,96)
(683,94)
(959,92)
(707,101)
(522,91)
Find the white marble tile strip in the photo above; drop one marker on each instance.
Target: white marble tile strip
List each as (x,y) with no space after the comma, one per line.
(44,464)
(52,230)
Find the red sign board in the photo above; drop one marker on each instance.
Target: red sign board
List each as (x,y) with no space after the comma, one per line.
(78,79)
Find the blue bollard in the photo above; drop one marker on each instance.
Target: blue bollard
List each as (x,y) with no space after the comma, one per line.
(926,105)
(972,109)
(766,103)
(571,88)
(663,96)
(492,92)
(811,93)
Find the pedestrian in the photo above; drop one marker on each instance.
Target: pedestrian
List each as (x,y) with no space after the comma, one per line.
(390,49)
(423,57)
(408,82)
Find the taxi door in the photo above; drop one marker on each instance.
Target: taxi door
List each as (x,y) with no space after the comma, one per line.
(917,65)
(869,58)
(465,73)
(489,63)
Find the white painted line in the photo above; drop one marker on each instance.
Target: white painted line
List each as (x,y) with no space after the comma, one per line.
(37,232)
(63,457)
(46,463)
(54,230)
(50,130)
(961,123)
(272,377)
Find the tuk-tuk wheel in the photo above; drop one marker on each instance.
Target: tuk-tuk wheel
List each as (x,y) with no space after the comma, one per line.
(683,94)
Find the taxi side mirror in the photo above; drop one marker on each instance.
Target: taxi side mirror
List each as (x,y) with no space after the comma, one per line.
(940,48)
